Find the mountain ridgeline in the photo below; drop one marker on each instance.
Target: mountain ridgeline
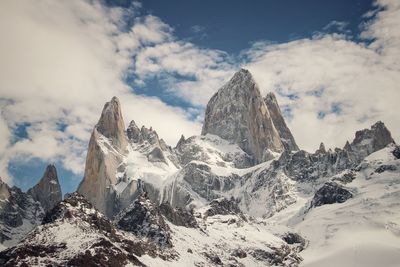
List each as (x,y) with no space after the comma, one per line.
(241,129)
(205,201)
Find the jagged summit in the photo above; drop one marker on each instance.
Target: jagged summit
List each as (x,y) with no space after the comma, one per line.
(279,122)
(238,113)
(111,124)
(321,149)
(107,146)
(48,190)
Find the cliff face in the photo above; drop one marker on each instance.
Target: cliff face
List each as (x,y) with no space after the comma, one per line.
(238,113)
(48,190)
(107,147)
(279,122)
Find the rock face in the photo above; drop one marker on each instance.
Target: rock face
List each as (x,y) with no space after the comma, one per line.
(19,213)
(304,166)
(213,150)
(111,124)
(238,113)
(146,141)
(48,190)
(178,216)
(280,124)
(368,141)
(223,206)
(199,178)
(330,193)
(145,220)
(107,147)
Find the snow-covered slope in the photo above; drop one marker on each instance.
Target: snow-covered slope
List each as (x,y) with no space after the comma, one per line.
(362,231)
(74,233)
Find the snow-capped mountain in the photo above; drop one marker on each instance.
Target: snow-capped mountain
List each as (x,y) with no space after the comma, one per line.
(20,212)
(240,194)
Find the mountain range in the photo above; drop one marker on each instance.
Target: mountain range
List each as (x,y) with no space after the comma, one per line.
(240,194)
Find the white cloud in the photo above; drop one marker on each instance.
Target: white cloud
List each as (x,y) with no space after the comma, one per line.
(363,80)
(61,60)
(206,69)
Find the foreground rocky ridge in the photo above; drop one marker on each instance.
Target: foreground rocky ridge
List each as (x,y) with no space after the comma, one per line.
(74,233)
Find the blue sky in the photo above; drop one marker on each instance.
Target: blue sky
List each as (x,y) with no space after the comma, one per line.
(325,60)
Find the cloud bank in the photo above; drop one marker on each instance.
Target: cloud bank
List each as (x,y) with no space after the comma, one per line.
(61,60)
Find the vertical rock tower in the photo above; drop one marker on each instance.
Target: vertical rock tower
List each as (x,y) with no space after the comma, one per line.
(238,113)
(107,147)
(279,122)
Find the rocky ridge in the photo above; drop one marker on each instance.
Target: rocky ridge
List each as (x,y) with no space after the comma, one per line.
(20,212)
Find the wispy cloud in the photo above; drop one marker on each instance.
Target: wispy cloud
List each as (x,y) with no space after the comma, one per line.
(61,60)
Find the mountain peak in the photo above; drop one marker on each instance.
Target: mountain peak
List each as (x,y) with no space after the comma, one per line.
(48,190)
(237,113)
(373,139)
(279,122)
(111,124)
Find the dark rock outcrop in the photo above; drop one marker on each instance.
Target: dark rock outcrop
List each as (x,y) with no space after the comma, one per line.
(330,193)
(385,167)
(396,152)
(144,219)
(223,206)
(277,256)
(178,216)
(295,239)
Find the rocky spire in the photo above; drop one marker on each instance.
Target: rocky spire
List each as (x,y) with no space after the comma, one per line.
(279,123)
(347,146)
(133,132)
(238,113)
(48,190)
(111,124)
(321,149)
(181,141)
(104,157)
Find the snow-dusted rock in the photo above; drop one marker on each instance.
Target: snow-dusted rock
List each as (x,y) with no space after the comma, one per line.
(48,190)
(238,114)
(144,219)
(330,193)
(213,150)
(304,166)
(74,234)
(19,213)
(178,216)
(279,123)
